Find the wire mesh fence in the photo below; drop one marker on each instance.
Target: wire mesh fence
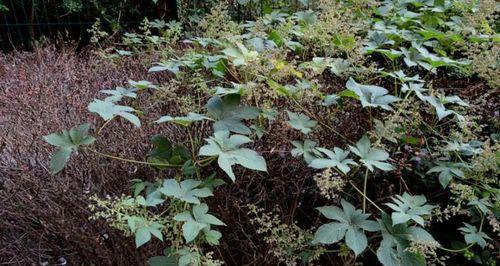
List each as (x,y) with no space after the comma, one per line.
(23,22)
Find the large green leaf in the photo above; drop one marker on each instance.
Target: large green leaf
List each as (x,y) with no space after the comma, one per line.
(227,149)
(447,170)
(118,93)
(301,122)
(371,157)
(109,110)
(307,149)
(229,115)
(407,207)
(350,225)
(395,241)
(336,159)
(186,190)
(183,120)
(196,220)
(372,96)
(67,142)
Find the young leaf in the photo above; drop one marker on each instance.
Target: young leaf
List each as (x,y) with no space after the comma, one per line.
(196,221)
(67,142)
(228,113)
(371,157)
(307,149)
(227,149)
(141,85)
(372,96)
(186,191)
(417,88)
(183,120)
(472,236)
(165,152)
(108,110)
(336,158)
(447,170)
(118,93)
(301,122)
(240,55)
(350,225)
(409,207)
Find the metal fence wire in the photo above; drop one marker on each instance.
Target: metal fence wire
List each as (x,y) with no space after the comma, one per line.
(22,22)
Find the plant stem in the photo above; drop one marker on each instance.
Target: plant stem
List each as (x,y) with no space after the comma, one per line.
(133,161)
(365,182)
(364,195)
(470,245)
(319,121)
(103,126)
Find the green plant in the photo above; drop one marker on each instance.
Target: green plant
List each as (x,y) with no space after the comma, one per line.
(269,76)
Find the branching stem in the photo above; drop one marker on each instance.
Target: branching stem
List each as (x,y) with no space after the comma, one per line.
(133,161)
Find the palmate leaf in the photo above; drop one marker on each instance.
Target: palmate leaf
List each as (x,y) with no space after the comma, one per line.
(377,40)
(395,241)
(183,120)
(391,54)
(118,94)
(227,149)
(473,147)
(447,170)
(413,58)
(240,55)
(142,84)
(336,159)
(402,77)
(350,225)
(197,220)
(437,61)
(407,207)
(229,115)
(143,229)
(371,96)
(473,236)
(371,157)
(109,110)
(307,149)
(235,89)
(67,142)
(301,122)
(171,65)
(186,190)
(417,88)
(439,105)
(164,152)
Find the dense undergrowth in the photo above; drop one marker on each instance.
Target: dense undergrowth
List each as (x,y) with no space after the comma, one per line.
(345,102)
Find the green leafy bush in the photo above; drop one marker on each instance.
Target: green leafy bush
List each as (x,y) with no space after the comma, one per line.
(268,81)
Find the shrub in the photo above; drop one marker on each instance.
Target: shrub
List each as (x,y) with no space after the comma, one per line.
(266,93)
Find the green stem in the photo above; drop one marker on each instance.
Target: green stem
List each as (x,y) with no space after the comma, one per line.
(319,121)
(470,245)
(133,161)
(103,126)
(365,182)
(193,153)
(207,161)
(364,196)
